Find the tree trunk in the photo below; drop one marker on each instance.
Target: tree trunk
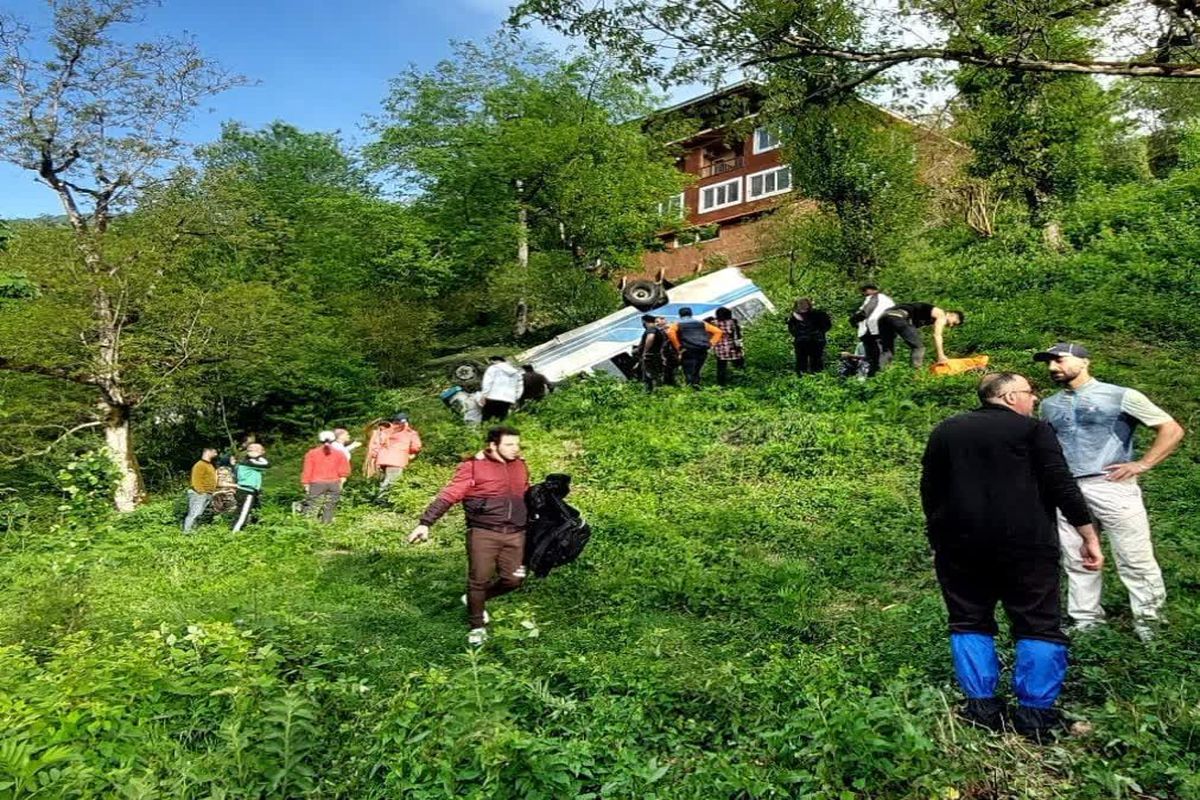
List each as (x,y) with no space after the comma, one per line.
(115,405)
(119,439)
(522,324)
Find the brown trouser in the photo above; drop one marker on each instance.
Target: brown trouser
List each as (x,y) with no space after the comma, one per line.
(489,553)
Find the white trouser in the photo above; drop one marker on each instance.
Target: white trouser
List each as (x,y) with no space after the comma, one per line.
(1120,514)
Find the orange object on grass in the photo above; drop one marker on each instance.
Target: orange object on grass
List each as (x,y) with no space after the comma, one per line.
(957,366)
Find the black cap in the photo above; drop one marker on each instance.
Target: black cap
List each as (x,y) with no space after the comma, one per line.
(685,311)
(1059,349)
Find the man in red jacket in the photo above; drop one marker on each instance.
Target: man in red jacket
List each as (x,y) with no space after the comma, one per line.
(325,470)
(491,486)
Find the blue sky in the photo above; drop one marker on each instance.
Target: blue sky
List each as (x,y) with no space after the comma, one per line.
(319,65)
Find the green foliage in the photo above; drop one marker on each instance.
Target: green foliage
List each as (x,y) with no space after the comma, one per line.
(756,615)
(508,130)
(860,166)
(1041,138)
(87,484)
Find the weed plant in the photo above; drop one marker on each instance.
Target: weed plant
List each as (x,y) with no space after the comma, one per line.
(755,617)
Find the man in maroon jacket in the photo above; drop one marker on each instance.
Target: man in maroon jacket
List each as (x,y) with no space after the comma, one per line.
(491,486)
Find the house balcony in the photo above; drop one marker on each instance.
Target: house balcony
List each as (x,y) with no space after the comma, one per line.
(721,166)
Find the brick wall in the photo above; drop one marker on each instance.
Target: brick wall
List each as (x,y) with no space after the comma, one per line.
(739,244)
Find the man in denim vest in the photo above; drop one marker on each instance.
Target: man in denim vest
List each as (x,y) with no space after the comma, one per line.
(1095,423)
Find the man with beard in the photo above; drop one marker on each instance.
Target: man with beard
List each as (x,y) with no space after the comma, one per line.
(1095,423)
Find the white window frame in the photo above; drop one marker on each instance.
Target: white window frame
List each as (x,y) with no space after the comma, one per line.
(664,208)
(754,142)
(703,209)
(749,183)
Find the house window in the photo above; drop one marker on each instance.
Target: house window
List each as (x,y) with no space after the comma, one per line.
(719,195)
(768,182)
(672,207)
(764,140)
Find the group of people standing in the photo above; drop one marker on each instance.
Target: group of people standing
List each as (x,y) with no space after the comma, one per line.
(228,484)
(879,321)
(222,484)
(502,388)
(665,348)
(1011,501)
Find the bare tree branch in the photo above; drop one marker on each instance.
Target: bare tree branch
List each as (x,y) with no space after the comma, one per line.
(802,48)
(66,435)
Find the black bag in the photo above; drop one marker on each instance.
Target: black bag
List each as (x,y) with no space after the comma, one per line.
(556,533)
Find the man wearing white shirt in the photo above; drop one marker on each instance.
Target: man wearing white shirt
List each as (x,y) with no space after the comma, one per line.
(867,317)
(501,387)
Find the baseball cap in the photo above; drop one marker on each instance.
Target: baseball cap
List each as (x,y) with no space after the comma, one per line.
(401,417)
(1059,349)
(326,436)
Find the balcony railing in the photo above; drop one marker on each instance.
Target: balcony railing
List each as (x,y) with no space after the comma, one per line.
(721,166)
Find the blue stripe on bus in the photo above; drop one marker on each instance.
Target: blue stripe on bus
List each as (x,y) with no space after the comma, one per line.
(632,327)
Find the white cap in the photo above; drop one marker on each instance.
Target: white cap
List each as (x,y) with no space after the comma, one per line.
(326,436)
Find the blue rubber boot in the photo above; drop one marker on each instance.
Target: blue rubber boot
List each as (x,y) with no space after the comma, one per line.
(1038,678)
(978,671)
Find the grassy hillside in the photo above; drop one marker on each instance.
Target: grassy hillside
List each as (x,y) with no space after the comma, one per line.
(756,615)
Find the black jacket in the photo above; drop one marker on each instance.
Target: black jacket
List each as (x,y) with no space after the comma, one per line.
(991,481)
(810,328)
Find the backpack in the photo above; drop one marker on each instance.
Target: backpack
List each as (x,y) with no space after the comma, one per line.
(556,533)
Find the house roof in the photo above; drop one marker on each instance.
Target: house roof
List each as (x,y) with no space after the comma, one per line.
(756,94)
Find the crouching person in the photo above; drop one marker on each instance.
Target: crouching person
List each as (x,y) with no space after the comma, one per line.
(491,486)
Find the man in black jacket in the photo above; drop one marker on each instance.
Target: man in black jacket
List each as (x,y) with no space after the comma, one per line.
(808,327)
(650,352)
(992,479)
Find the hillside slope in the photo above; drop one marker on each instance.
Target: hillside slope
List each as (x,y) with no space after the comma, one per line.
(755,617)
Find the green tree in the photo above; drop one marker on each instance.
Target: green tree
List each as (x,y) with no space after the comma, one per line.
(672,40)
(860,165)
(95,118)
(305,217)
(1040,137)
(511,150)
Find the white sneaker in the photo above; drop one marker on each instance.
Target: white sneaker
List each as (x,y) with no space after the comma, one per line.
(1145,631)
(1085,627)
(486,618)
(477,636)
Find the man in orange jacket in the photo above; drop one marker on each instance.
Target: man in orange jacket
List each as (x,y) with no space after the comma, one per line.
(693,339)
(325,471)
(393,447)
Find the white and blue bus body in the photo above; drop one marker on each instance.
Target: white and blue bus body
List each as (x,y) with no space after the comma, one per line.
(606,345)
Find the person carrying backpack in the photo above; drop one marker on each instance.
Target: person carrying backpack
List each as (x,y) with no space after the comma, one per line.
(491,486)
